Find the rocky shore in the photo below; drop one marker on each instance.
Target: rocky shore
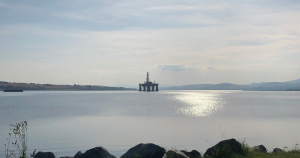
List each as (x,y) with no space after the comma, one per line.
(225,148)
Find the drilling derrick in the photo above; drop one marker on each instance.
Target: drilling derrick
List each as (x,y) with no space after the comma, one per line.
(148,85)
(147,79)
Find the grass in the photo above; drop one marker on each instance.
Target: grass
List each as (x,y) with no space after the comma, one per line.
(248,153)
(254,154)
(19,130)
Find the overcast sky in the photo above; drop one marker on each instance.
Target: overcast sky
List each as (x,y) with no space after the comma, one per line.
(179,42)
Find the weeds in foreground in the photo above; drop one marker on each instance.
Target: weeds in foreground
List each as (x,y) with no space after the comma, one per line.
(19,130)
(248,153)
(254,154)
(223,133)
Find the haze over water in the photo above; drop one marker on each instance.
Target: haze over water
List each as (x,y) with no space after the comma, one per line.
(67,122)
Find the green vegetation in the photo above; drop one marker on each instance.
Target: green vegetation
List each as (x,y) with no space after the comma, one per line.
(269,155)
(19,131)
(247,152)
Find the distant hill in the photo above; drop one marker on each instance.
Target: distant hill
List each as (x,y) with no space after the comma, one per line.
(294,81)
(53,87)
(221,86)
(264,86)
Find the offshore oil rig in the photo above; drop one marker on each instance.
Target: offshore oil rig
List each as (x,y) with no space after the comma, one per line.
(148,85)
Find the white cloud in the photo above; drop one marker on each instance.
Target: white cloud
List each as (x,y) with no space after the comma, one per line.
(173,8)
(136,37)
(173,67)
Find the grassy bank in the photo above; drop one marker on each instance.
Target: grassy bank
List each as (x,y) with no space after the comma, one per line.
(224,149)
(250,153)
(253,154)
(269,155)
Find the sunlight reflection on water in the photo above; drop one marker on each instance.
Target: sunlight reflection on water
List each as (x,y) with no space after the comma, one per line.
(199,104)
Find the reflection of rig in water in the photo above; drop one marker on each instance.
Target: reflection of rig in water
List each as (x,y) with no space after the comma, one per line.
(148,85)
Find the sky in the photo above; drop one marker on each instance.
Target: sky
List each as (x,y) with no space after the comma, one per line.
(179,42)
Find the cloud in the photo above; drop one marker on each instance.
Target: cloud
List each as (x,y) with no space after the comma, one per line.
(73,16)
(172,8)
(249,43)
(3,5)
(116,38)
(173,67)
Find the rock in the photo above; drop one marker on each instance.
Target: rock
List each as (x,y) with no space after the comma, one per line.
(44,155)
(224,149)
(145,151)
(192,154)
(277,150)
(78,154)
(175,154)
(97,152)
(66,157)
(260,148)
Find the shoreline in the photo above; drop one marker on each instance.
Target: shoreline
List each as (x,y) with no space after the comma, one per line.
(229,148)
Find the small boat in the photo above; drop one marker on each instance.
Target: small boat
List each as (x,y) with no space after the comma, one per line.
(12,90)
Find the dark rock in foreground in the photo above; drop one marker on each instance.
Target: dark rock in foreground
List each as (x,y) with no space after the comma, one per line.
(44,155)
(78,154)
(145,151)
(192,154)
(224,149)
(260,148)
(277,150)
(175,154)
(66,157)
(97,152)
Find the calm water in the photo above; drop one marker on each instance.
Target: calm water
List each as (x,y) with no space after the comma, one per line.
(66,122)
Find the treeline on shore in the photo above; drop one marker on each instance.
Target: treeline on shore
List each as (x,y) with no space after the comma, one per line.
(53,87)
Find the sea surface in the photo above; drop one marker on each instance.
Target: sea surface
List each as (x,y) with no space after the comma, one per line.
(65,122)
